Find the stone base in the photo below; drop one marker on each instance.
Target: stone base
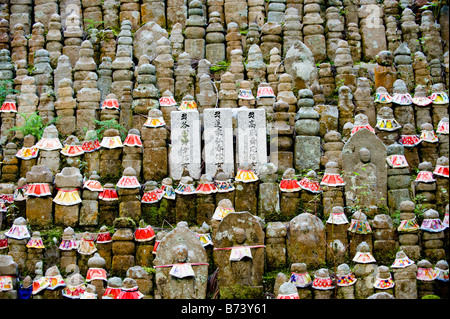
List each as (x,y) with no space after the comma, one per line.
(236,11)
(121,263)
(108,211)
(305,293)
(144,255)
(66,215)
(89,213)
(384,250)
(10,294)
(131,209)
(186,208)
(289,204)
(323,294)
(345,292)
(405,289)
(155,163)
(246,198)
(99,287)
(105,251)
(39,211)
(364,287)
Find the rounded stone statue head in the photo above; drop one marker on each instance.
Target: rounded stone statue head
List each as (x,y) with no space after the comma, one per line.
(239,235)
(180,253)
(364,155)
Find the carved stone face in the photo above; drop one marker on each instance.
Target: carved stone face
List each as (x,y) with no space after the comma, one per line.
(181,253)
(364,155)
(239,236)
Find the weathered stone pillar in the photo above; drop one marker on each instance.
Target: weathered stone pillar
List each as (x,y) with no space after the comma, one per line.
(442,133)
(67,200)
(323,285)
(428,147)
(9,268)
(10,165)
(73,34)
(404,271)
(123,246)
(409,139)
(276,245)
(359,231)
(333,188)
(302,280)
(372,29)
(18,236)
(105,76)
(111,13)
(398,181)
(313,30)
(383,281)
(154,10)
(20,197)
(111,155)
(425,278)
(345,282)
(290,195)
(364,271)
(425,187)
(39,212)
(96,274)
(246,189)
(442,184)
(441,283)
(144,237)
(128,191)
(89,211)
(384,238)
(336,235)
(143,279)
(403,62)
(8,118)
(88,100)
(432,236)
(228,94)
(57,284)
(307,141)
(215,50)
(440,103)
(35,251)
(104,246)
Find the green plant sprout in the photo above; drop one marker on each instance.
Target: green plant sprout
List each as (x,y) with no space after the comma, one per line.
(33,125)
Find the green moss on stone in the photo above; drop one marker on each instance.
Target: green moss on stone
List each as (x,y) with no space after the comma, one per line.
(270,277)
(241,292)
(431,297)
(124,222)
